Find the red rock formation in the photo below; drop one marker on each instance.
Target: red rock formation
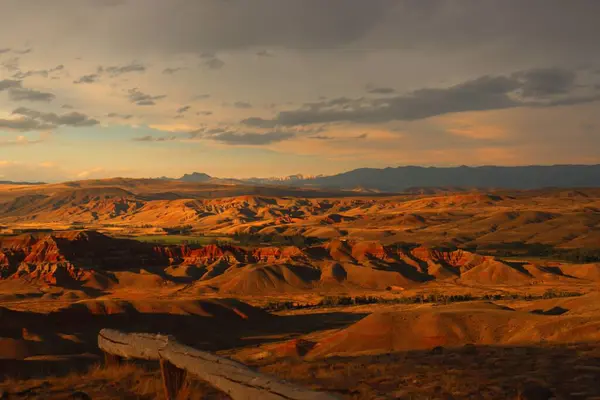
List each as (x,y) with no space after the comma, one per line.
(365,250)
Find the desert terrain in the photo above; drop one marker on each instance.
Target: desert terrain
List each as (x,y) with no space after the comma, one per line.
(428,294)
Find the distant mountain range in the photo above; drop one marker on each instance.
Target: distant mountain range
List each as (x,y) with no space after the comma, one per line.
(20,183)
(402,179)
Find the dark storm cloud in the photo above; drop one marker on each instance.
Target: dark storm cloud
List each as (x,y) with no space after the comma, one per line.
(195,26)
(534,88)
(544,82)
(24,94)
(554,28)
(143,99)
(568,101)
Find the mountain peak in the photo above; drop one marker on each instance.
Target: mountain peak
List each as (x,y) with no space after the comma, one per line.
(195,177)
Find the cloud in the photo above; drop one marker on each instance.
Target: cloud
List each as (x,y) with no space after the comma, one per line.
(381,90)
(533,88)
(4,50)
(567,101)
(11,65)
(259,122)
(38,120)
(121,116)
(24,124)
(205,113)
(67,107)
(149,138)
(325,137)
(242,105)
(237,137)
(24,51)
(171,71)
(115,71)
(108,3)
(91,78)
(543,82)
(9,84)
(143,99)
(112,72)
(183,26)
(208,26)
(214,63)
(201,96)
(183,109)
(250,138)
(264,53)
(24,94)
(40,72)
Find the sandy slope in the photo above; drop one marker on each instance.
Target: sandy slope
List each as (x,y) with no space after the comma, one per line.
(458,325)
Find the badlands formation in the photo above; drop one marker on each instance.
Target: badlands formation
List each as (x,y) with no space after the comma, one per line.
(363,295)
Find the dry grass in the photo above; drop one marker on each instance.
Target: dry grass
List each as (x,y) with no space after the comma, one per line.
(126,381)
(570,372)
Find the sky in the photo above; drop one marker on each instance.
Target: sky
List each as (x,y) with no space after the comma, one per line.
(240,88)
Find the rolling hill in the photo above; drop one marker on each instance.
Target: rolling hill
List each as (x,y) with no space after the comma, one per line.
(537,219)
(87,259)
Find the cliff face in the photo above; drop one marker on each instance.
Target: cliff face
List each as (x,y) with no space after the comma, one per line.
(211,253)
(70,257)
(73,258)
